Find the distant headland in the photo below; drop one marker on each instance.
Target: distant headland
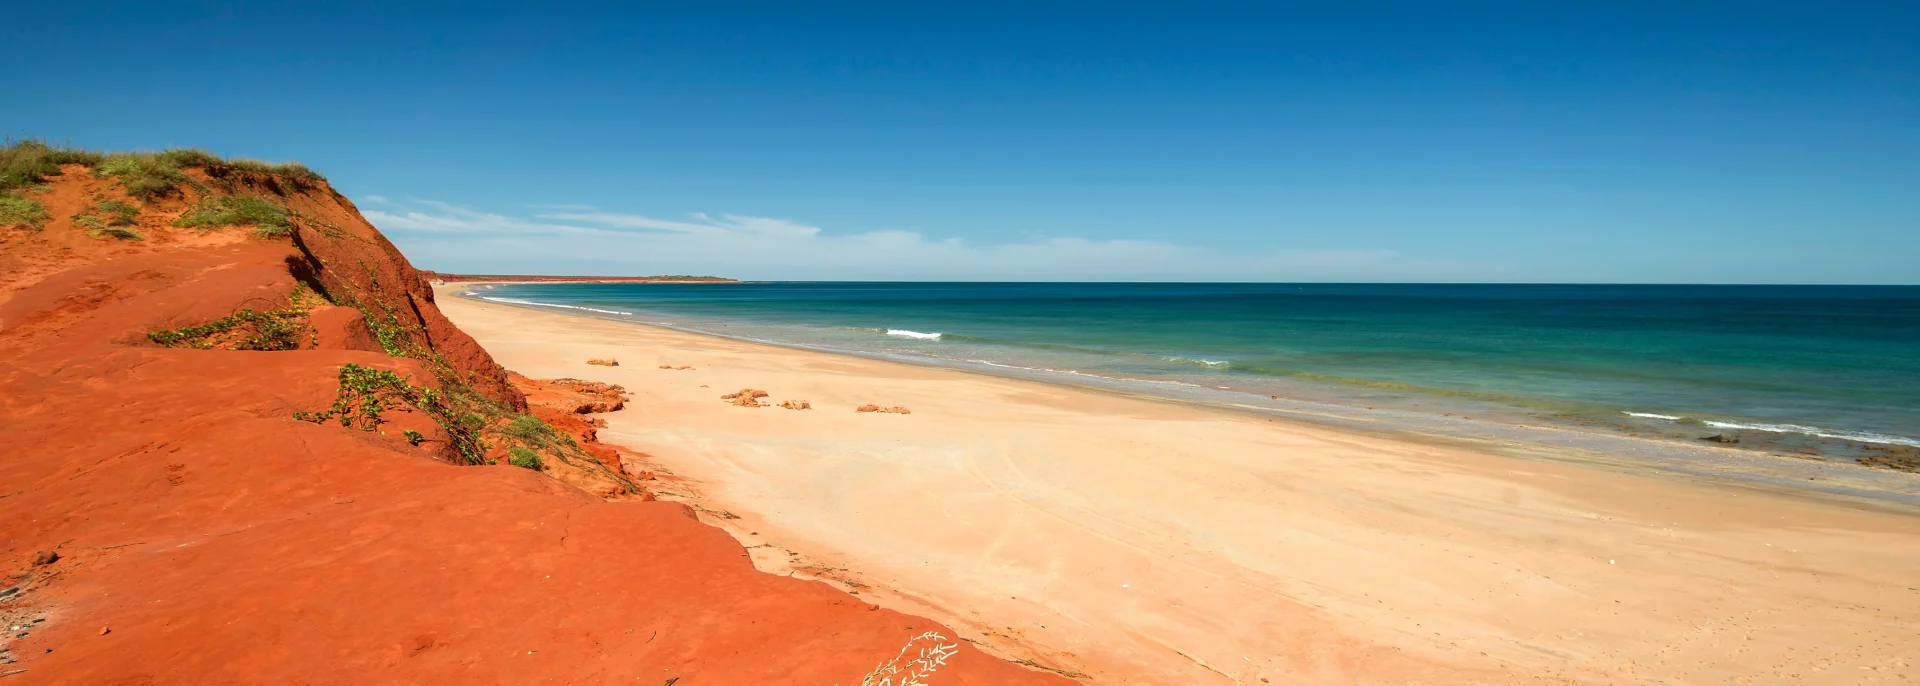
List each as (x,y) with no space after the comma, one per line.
(665,278)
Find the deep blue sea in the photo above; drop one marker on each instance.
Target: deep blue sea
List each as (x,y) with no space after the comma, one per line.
(1835,365)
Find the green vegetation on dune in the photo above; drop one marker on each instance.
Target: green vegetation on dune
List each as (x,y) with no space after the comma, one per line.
(269,330)
(267,219)
(24,164)
(119,212)
(365,392)
(524,458)
(277,329)
(109,219)
(291,170)
(19,210)
(125,233)
(145,175)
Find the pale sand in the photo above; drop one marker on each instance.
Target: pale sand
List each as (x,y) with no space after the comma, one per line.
(1142,541)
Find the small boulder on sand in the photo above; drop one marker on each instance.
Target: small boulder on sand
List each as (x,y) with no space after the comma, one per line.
(746,397)
(668,366)
(604,362)
(593,396)
(797,405)
(890,410)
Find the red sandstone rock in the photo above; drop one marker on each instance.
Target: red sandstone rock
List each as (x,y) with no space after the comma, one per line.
(340,328)
(746,397)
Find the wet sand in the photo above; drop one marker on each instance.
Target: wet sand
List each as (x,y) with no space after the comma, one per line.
(1132,540)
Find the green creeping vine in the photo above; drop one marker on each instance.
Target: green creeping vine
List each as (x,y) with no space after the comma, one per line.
(365,392)
(390,333)
(269,330)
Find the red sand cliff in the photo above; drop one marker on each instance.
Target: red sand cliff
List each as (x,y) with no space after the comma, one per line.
(205,536)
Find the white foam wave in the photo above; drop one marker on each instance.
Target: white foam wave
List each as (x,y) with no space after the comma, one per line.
(913,334)
(1073,372)
(1802,429)
(516,301)
(1195,360)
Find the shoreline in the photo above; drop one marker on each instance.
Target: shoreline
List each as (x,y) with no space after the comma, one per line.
(1512,436)
(1138,540)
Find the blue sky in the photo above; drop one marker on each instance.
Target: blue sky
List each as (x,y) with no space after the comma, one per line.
(1659,142)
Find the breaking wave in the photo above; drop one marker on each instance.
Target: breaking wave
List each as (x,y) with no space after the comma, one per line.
(1216,364)
(1802,429)
(516,301)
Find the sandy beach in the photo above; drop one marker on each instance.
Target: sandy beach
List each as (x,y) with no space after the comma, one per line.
(1123,540)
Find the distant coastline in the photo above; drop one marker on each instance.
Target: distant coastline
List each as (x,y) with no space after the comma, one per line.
(542,278)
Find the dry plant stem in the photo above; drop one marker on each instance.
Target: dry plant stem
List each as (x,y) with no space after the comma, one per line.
(932,656)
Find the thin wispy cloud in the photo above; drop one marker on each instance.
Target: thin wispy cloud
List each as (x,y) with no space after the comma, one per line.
(451,238)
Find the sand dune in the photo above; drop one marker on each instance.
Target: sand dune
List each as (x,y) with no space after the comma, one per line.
(1140,541)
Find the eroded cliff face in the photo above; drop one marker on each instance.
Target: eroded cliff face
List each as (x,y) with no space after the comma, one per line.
(251,450)
(351,263)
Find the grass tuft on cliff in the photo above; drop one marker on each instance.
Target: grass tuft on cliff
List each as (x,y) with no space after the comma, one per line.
(267,219)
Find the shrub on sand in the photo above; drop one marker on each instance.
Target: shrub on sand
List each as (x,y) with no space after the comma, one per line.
(522,457)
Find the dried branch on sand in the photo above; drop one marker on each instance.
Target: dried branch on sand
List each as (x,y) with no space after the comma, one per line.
(931,656)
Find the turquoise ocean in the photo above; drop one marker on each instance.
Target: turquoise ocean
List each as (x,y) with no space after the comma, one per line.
(1829,370)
